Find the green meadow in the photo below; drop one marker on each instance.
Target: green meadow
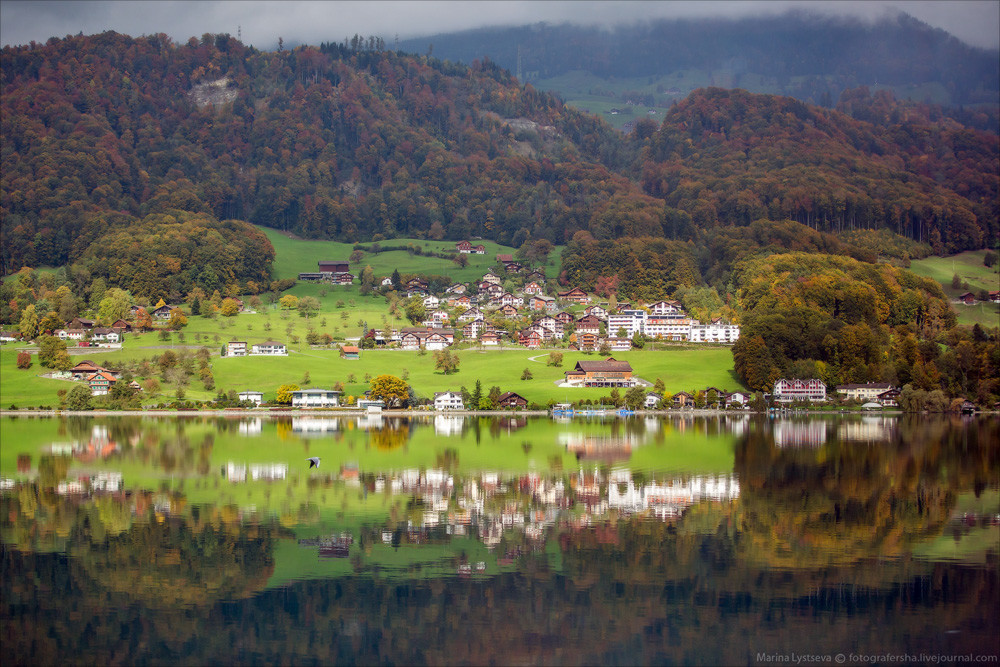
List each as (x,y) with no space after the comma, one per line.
(343,314)
(969,268)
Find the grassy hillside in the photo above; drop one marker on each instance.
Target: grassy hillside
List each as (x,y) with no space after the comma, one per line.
(970,269)
(294,256)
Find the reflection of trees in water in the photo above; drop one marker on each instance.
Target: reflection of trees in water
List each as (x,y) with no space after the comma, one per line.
(846,501)
(394,434)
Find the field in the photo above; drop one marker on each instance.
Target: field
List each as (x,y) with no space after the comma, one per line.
(343,314)
(970,269)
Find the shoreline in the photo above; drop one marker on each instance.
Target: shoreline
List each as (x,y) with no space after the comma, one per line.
(325,412)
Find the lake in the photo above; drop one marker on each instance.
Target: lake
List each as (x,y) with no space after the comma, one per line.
(721,540)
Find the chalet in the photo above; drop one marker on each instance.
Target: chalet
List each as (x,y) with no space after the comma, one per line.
(436,341)
(236,348)
(597,311)
(342,279)
(411,341)
(350,352)
(995,296)
(431,301)
(315,398)
(508,311)
(121,326)
(464,247)
(478,250)
(889,399)
(489,338)
(588,341)
(666,308)
(530,338)
(416,291)
(542,302)
(105,334)
(470,315)
(100,382)
(564,318)
(863,392)
(448,400)
(538,275)
(162,313)
(512,400)
(457,288)
(86,368)
(255,397)
(386,282)
(575,295)
(269,348)
(606,373)
(532,288)
(786,391)
(7,336)
(83,323)
(652,400)
(492,278)
(503,259)
(969,299)
(588,324)
(682,399)
(513,267)
(413,283)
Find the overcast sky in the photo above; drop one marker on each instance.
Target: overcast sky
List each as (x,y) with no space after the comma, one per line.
(261,22)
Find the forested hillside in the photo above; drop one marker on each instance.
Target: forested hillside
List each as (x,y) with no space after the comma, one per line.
(342,141)
(728,157)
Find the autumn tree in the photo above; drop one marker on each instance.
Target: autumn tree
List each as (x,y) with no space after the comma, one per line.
(391,389)
(177,319)
(446,361)
(284,394)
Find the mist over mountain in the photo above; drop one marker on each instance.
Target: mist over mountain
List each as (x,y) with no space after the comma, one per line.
(803,55)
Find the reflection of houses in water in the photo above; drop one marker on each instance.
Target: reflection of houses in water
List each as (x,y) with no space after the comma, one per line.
(99,446)
(434,485)
(867,429)
(794,433)
(448,426)
(315,425)
(598,447)
(369,421)
(265,472)
(669,499)
(333,546)
(106,482)
(250,427)
(737,426)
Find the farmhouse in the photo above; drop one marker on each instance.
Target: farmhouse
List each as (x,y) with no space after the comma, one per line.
(576,295)
(606,373)
(100,383)
(512,400)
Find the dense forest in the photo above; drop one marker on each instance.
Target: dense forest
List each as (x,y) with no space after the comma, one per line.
(352,142)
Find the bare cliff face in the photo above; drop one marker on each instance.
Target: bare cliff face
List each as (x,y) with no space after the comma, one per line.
(213,93)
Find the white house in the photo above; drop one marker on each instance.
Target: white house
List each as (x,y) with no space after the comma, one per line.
(448,400)
(236,348)
(315,398)
(652,400)
(786,391)
(270,347)
(255,397)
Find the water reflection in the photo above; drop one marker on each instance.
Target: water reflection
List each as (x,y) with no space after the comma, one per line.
(484,541)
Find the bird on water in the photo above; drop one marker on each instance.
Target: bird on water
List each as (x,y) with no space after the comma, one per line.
(313,461)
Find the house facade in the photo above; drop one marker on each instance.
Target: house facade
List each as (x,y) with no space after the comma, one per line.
(255,397)
(863,392)
(448,400)
(269,348)
(788,390)
(606,373)
(236,348)
(315,398)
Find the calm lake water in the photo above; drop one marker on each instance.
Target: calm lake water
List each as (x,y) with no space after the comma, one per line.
(718,541)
